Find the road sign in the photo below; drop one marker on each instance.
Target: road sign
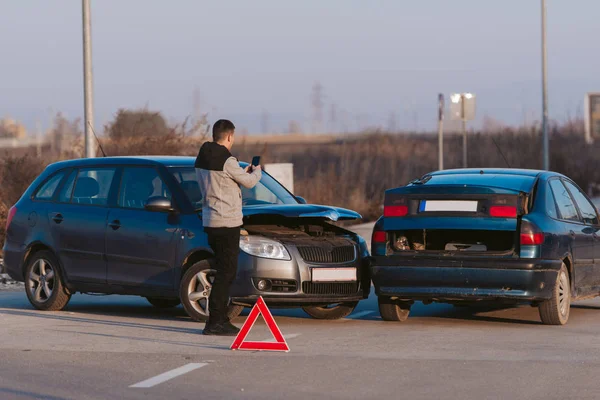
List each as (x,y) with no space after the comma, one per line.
(260,308)
(462,106)
(592,116)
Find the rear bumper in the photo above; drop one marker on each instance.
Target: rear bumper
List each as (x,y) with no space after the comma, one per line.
(13,260)
(446,280)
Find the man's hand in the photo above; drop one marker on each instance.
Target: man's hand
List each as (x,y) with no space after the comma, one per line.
(250,168)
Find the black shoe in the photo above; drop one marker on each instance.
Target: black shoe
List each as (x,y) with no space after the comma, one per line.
(225,329)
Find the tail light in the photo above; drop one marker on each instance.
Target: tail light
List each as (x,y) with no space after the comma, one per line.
(531,235)
(9,218)
(503,211)
(395,211)
(378,237)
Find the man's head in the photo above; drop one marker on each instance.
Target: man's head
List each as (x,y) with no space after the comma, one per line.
(223,131)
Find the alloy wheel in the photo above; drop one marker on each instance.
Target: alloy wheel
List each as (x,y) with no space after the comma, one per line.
(41,280)
(199,290)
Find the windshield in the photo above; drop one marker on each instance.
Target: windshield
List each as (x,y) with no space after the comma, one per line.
(267,191)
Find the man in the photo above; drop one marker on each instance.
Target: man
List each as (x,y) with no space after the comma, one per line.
(219,176)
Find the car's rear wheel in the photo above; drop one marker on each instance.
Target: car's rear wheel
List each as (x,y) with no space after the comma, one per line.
(331,311)
(194,292)
(555,311)
(160,302)
(393,310)
(43,282)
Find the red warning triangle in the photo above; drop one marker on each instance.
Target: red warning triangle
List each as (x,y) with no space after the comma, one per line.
(260,308)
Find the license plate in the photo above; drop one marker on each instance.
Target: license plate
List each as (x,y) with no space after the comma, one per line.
(449,205)
(333,274)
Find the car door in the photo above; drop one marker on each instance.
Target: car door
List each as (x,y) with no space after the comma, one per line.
(141,244)
(582,240)
(589,216)
(78,222)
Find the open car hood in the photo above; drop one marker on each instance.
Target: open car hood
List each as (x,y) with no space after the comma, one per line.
(302,211)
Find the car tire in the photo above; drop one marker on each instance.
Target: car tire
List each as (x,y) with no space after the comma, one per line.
(43,282)
(196,282)
(161,302)
(338,311)
(393,310)
(556,310)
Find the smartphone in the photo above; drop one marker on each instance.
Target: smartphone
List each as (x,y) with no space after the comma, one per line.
(255,161)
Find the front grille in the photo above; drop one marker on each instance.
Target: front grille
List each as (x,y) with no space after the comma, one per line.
(335,288)
(323,255)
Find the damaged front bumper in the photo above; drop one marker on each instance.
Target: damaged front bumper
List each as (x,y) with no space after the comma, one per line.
(289,283)
(442,279)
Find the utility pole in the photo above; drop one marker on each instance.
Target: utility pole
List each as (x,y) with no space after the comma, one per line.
(88,90)
(546,140)
(441,132)
(464,128)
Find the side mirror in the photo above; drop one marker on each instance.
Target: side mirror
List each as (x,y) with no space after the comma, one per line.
(159,203)
(301,200)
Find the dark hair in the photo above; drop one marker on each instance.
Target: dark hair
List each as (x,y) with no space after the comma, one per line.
(221,128)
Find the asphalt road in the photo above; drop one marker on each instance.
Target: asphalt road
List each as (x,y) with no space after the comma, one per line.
(118,347)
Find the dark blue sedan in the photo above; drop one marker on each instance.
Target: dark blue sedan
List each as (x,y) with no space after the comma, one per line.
(476,235)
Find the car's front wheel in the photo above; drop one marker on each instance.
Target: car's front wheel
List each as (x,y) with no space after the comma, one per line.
(555,311)
(331,311)
(43,283)
(393,310)
(194,292)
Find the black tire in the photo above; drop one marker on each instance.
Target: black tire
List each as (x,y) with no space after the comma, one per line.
(392,310)
(161,302)
(556,310)
(46,292)
(339,310)
(195,309)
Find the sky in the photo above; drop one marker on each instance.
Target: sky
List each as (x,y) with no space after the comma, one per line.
(381,63)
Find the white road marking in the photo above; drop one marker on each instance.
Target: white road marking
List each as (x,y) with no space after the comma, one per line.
(359,315)
(174,373)
(286,337)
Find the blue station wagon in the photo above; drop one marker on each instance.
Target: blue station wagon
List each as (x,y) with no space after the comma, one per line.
(133,225)
(474,235)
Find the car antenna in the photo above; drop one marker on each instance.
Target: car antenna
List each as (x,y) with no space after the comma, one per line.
(98,140)
(501,153)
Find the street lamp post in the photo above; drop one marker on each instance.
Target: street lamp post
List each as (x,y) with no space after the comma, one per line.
(88,90)
(546,144)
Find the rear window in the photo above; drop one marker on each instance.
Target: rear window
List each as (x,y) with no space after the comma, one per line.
(47,189)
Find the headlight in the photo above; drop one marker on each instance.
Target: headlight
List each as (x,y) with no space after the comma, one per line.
(262,247)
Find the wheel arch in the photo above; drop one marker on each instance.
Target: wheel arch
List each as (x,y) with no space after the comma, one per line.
(568,261)
(193,257)
(36,247)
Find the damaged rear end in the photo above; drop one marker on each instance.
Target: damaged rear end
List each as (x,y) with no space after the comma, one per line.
(460,237)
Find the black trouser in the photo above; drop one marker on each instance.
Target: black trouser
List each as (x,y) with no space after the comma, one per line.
(225,242)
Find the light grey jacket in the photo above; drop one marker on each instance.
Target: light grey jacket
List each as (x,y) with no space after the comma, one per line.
(219,176)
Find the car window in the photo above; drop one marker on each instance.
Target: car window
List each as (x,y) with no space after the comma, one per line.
(92,186)
(138,185)
(67,190)
(550,203)
(267,191)
(588,212)
(46,191)
(565,205)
